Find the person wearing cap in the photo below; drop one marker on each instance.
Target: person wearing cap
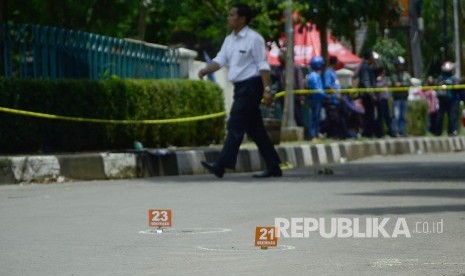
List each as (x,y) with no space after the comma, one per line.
(244,51)
(449,100)
(400,78)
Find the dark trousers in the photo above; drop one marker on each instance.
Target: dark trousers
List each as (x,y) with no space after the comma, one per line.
(433,122)
(451,108)
(298,116)
(384,117)
(369,123)
(245,117)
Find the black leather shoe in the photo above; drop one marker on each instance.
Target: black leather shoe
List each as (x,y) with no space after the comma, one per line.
(213,168)
(276,172)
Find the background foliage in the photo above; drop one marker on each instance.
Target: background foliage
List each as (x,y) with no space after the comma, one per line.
(201,24)
(388,49)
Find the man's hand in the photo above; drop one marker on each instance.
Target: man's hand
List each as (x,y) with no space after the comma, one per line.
(268,97)
(210,68)
(202,73)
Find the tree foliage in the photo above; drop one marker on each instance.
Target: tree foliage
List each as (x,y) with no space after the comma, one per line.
(437,41)
(109,17)
(201,24)
(388,49)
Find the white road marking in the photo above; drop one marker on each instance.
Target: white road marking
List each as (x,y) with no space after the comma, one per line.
(244,248)
(185,231)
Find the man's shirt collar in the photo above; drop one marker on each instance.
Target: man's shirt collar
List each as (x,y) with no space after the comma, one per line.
(242,33)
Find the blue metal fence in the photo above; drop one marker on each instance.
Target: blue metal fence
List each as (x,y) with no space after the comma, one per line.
(49,52)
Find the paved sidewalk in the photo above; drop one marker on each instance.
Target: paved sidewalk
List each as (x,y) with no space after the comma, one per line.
(165,162)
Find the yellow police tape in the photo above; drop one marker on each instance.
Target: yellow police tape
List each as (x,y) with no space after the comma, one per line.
(214,115)
(104,121)
(374,89)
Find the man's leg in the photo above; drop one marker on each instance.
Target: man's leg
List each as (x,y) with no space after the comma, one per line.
(368,117)
(453,117)
(236,129)
(257,132)
(403,117)
(440,117)
(395,118)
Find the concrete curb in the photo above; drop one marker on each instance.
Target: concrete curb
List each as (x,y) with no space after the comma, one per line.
(161,162)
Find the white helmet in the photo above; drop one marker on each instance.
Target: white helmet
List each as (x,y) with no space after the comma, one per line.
(399,60)
(447,66)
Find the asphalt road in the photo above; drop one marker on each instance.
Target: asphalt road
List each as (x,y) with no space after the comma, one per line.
(101,227)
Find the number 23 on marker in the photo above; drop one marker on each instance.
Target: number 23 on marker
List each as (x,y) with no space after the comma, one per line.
(160,217)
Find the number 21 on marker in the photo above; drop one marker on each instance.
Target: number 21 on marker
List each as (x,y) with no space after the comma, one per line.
(265,236)
(160,217)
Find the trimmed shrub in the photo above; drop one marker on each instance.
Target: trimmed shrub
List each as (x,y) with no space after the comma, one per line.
(108,99)
(417,118)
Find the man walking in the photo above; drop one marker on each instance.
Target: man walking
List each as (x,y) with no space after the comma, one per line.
(244,51)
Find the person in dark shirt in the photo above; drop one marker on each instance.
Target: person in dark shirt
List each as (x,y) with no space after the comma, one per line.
(366,79)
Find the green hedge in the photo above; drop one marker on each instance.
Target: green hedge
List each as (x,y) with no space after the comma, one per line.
(109,99)
(417,118)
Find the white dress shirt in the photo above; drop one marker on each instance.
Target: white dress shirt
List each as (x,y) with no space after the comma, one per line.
(244,53)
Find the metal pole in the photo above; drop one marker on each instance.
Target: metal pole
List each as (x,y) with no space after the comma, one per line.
(415,34)
(288,112)
(444,32)
(457,39)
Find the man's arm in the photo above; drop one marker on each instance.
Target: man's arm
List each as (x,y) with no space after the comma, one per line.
(267,95)
(210,68)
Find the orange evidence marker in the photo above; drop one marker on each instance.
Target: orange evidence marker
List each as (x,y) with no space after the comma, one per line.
(265,236)
(160,218)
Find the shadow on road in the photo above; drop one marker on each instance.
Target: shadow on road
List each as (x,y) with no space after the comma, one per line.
(445,193)
(424,209)
(391,172)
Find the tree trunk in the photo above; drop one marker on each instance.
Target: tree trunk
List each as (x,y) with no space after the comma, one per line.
(324,41)
(461,38)
(3,10)
(352,40)
(415,35)
(142,25)
(382,23)
(3,19)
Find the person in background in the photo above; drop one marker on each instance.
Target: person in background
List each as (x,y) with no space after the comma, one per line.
(330,80)
(429,94)
(366,79)
(400,78)
(317,96)
(244,51)
(335,122)
(382,102)
(462,99)
(449,100)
